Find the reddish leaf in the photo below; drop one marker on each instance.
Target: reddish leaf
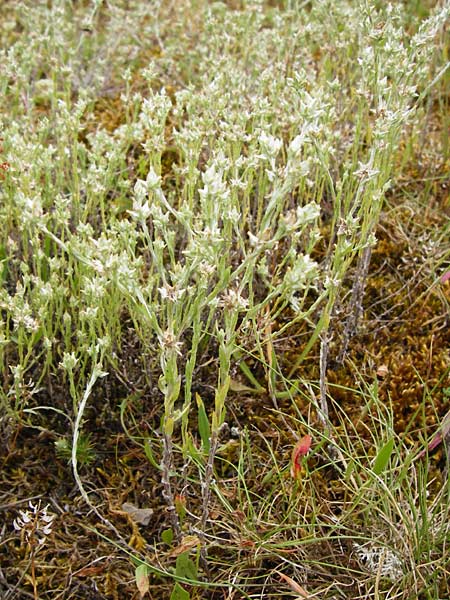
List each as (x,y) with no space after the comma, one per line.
(90,571)
(187,543)
(300,450)
(438,437)
(295,587)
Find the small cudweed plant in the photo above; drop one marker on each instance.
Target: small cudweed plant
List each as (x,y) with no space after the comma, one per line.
(35,525)
(379,560)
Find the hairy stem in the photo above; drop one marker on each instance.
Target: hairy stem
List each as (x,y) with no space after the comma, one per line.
(167,461)
(206,489)
(357,296)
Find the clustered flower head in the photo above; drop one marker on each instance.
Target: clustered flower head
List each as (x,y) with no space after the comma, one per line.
(35,523)
(233,300)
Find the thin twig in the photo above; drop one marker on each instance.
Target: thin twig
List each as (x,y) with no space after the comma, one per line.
(166,467)
(206,492)
(356,301)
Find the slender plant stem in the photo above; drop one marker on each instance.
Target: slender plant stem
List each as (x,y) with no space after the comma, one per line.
(167,486)
(206,490)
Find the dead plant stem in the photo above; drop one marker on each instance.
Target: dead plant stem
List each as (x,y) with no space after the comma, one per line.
(206,490)
(356,301)
(167,461)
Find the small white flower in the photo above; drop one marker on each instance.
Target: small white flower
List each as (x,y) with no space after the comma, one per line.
(307,213)
(296,144)
(69,361)
(168,341)
(153,180)
(365,171)
(141,210)
(171,293)
(233,215)
(233,300)
(206,269)
(270,144)
(302,271)
(35,523)
(140,189)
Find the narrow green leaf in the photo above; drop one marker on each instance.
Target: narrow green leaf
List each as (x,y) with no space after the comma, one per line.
(179,414)
(203,424)
(149,454)
(349,470)
(168,425)
(3,264)
(197,456)
(383,456)
(247,372)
